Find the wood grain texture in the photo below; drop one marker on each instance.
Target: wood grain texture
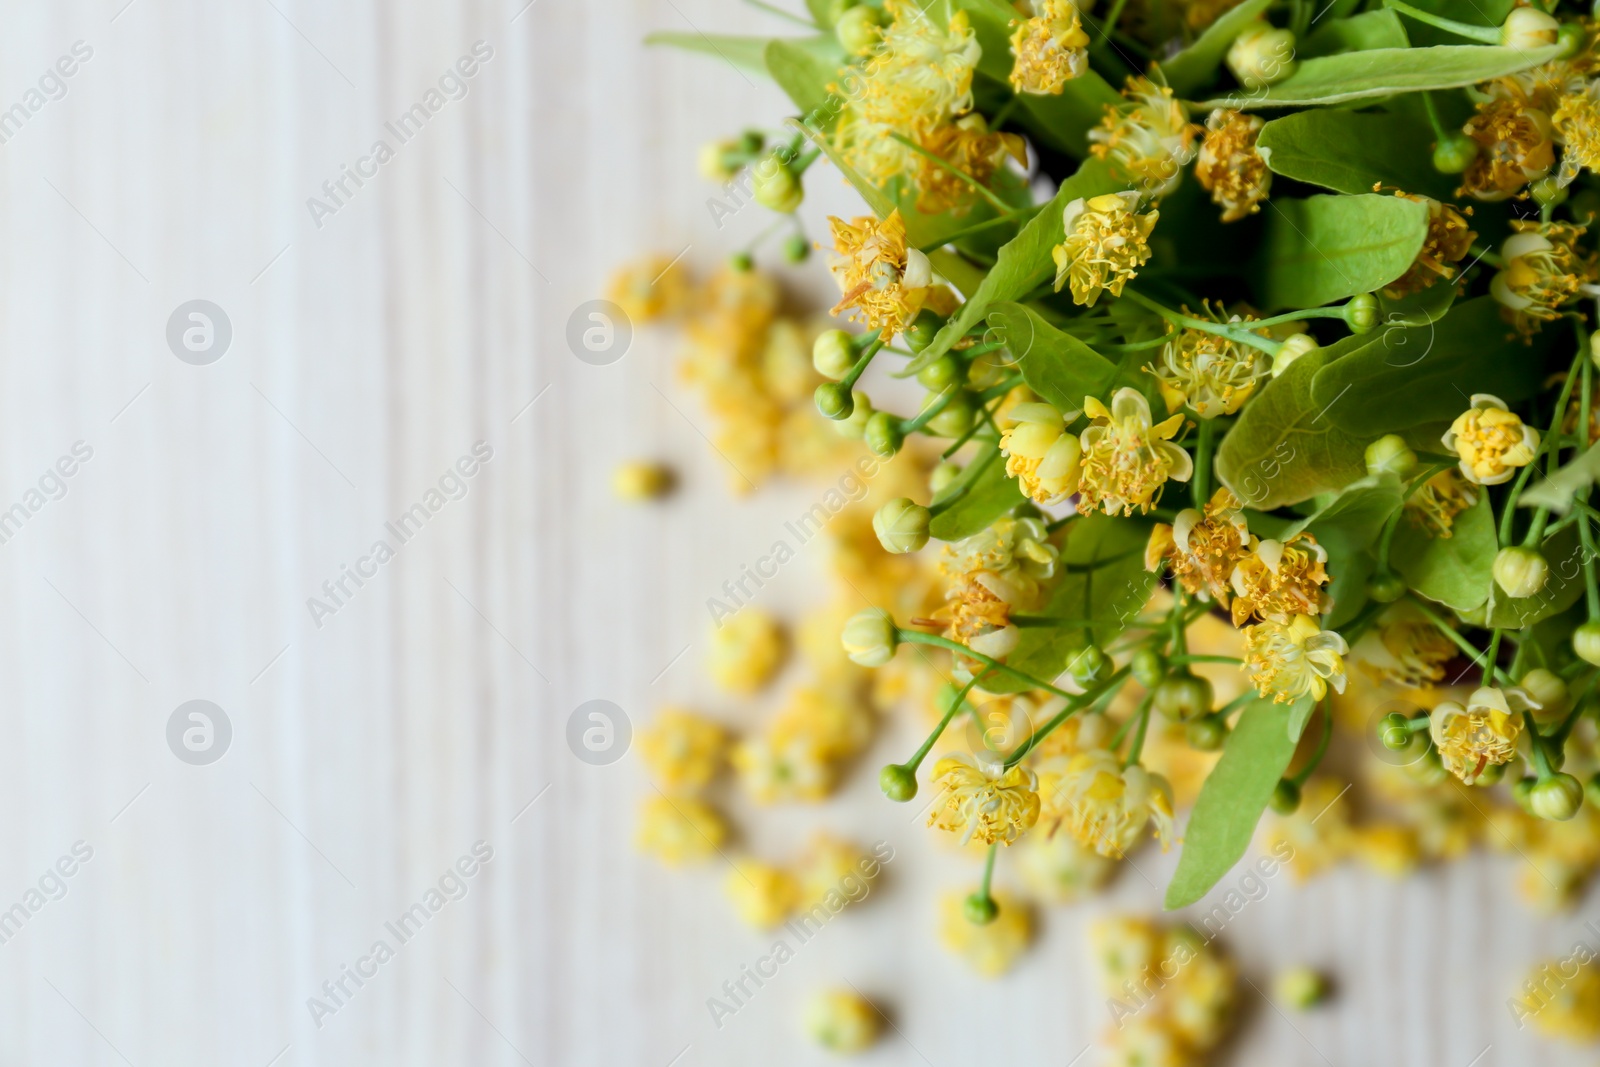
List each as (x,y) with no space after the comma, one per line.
(371,752)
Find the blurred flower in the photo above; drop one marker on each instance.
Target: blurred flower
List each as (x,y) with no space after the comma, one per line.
(1229,167)
(679,831)
(745,651)
(1434,506)
(683,750)
(990,949)
(841,1020)
(763,895)
(1103,804)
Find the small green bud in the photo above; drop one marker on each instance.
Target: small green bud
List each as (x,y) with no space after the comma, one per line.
(869,637)
(1454,153)
(716,161)
(855,427)
(1207,733)
(833,353)
(1301,988)
(901,525)
(898,783)
(883,433)
(923,329)
(834,400)
(1294,346)
(1285,797)
(1261,55)
(1550,691)
(1361,313)
(1520,571)
(1526,29)
(741,263)
(751,142)
(1394,730)
(1089,665)
(1547,192)
(1556,798)
(776,186)
(1522,793)
(1183,696)
(1148,667)
(1586,642)
(1572,37)
(858,29)
(1386,588)
(980,909)
(796,249)
(942,373)
(1390,454)
(941,476)
(954,420)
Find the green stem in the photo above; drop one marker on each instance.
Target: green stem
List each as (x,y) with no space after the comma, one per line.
(1138,735)
(1481,34)
(927,414)
(1591,587)
(1075,703)
(943,164)
(917,637)
(850,379)
(1202,462)
(988,871)
(1205,659)
(1487,255)
(1014,218)
(1489,668)
(1541,759)
(941,505)
(1305,772)
(1240,336)
(950,713)
(1439,130)
(1475,654)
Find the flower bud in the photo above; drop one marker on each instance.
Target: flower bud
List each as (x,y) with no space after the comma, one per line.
(923,329)
(714,163)
(1206,734)
(741,263)
(1386,587)
(751,142)
(1183,696)
(1522,793)
(1300,988)
(941,476)
(1389,454)
(884,435)
(1394,731)
(1285,797)
(1525,29)
(796,249)
(833,353)
(1454,153)
(1572,37)
(898,782)
(1550,691)
(1088,665)
(1586,642)
(869,637)
(1520,571)
(855,427)
(859,29)
(901,525)
(1261,55)
(1361,313)
(1556,798)
(834,400)
(640,480)
(1148,667)
(954,420)
(776,186)
(980,909)
(1294,346)
(942,373)
(1548,192)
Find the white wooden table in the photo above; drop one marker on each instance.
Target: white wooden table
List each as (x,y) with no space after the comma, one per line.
(372,346)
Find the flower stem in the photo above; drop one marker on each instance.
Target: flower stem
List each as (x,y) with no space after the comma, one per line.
(1204,659)
(956,705)
(1473,653)
(850,379)
(1138,735)
(943,164)
(1202,461)
(1481,34)
(917,637)
(1075,703)
(1237,334)
(1489,668)
(988,872)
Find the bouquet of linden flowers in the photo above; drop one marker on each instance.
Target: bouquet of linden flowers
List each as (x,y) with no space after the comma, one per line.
(1272,311)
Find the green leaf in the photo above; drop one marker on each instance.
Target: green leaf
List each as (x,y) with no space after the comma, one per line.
(1455,571)
(1024,262)
(804,68)
(1347,586)
(1556,491)
(1350,151)
(1354,518)
(1285,448)
(1561,590)
(1382,72)
(987,493)
(1374,29)
(1197,64)
(1112,593)
(745,53)
(1326,248)
(1300,713)
(1416,309)
(1059,367)
(1063,120)
(1235,794)
(1406,376)
(822,12)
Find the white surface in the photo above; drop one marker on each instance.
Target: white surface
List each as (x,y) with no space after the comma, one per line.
(367,356)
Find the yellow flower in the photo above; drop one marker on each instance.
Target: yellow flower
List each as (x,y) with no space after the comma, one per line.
(745,651)
(1149,137)
(1482,734)
(1050,48)
(882,281)
(1405,647)
(832,870)
(679,831)
(1434,507)
(918,78)
(1107,240)
(683,750)
(1514,148)
(639,480)
(1293,659)
(1104,805)
(984,802)
(1213,375)
(1228,165)
(1562,998)
(1318,835)
(1278,579)
(1202,549)
(1018,550)
(1576,122)
(978,608)
(1448,241)
(1491,441)
(649,288)
(1143,1042)
(1200,1000)
(1126,459)
(841,1020)
(1059,870)
(967,145)
(762,894)
(1388,848)
(1542,270)
(990,949)
(781,766)
(836,722)
(1040,454)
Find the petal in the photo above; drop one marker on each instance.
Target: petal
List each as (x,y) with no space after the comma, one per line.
(1130,405)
